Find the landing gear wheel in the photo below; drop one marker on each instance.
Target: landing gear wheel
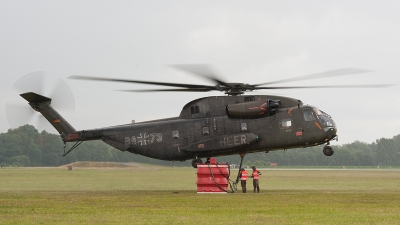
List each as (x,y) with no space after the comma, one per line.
(328,150)
(195,162)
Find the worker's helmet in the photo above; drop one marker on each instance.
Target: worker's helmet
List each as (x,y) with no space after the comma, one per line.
(253,167)
(242,169)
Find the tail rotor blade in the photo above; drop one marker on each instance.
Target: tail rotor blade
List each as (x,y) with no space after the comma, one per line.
(31,82)
(62,97)
(18,114)
(41,124)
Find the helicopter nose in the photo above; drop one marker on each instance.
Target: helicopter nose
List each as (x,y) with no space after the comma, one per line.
(331,132)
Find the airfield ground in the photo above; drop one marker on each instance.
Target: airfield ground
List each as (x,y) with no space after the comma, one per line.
(143,194)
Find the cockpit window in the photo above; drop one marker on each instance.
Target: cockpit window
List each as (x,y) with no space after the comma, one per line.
(175,134)
(194,109)
(309,115)
(325,121)
(318,112)
(286,123)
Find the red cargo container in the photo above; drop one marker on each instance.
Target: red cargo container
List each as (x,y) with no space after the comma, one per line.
(212,178)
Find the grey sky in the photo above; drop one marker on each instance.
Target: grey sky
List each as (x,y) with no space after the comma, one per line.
(250,42)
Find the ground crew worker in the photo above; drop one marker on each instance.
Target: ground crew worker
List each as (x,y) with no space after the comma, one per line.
(255,175)
(243,179)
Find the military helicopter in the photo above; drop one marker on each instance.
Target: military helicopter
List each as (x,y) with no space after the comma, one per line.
(216,125)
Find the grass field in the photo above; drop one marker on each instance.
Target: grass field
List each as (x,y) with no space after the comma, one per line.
(158,195)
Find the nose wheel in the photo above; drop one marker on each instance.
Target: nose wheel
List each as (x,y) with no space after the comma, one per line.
(327,150)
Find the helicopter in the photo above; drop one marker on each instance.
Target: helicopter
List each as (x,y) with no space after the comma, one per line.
(213,126)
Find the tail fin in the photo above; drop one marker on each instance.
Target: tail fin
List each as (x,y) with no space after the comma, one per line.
(42,104)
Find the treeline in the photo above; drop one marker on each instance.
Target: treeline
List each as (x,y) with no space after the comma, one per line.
(383,152)
(25,146)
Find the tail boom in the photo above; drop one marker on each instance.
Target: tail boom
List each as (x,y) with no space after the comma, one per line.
(42,104)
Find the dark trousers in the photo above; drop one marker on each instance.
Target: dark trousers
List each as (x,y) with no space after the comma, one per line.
(243,184)
(256,185)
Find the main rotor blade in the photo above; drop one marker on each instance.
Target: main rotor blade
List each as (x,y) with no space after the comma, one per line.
(330,86)
(201,69)
(172,90)
(79,77)
(333,73)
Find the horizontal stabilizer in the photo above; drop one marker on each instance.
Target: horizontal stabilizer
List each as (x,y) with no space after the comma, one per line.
(35,98)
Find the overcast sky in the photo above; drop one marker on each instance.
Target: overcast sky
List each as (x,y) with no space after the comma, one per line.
(246,41)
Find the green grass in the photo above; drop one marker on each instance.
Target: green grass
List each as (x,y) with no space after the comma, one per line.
(158,195)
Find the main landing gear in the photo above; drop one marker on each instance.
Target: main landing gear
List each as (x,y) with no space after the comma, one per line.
(196,161)
(327,150)
(199,161)
(234,184)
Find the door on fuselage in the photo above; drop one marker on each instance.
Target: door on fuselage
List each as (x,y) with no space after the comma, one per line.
(285,131)
(203,130)
(298,127)
(285,126)
(291,128)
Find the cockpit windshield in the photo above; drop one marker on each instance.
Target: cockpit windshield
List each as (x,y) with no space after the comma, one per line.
(324,119)
(313,114)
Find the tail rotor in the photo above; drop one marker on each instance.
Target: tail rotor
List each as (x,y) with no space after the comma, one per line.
(19,113)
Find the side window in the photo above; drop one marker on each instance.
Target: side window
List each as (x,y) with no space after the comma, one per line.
(206,130)
(286,123)
(309,115)
(249,98)
(194,109)
(243,126)
(175,134)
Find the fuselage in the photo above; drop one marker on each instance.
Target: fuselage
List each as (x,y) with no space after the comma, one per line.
(221,125)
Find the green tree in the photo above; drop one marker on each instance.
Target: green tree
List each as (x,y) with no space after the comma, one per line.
(22,160)
(386,152)
(34,154)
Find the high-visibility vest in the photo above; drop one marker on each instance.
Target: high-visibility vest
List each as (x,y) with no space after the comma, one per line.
(256,175)
(244,175)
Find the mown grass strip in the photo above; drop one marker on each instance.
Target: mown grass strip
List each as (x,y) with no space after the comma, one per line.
(168,196)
